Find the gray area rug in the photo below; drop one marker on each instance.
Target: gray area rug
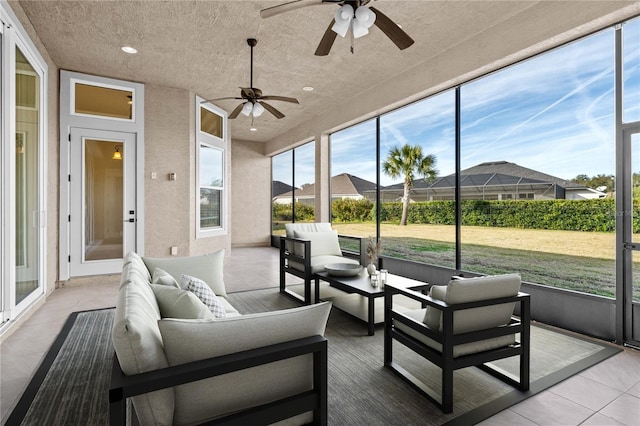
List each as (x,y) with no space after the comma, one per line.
(71,386)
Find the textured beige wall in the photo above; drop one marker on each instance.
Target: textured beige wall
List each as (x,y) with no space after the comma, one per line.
(167,150)
(251,194)
(170,148)
(53,152)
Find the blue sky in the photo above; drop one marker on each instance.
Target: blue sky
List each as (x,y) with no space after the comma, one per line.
(552,113)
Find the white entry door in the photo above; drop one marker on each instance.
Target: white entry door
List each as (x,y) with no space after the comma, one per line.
(102,186)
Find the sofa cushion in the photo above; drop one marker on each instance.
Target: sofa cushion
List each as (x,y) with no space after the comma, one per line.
(190,340)
(209,268)
(160,276)
(322,243)
(177,303)
(137,340)
(202,291)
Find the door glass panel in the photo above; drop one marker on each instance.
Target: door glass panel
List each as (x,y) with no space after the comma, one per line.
(631,70)
(103,101)
(26,190)
(103,200)
(210,123)
(635,200)
(281,191)
(304,169)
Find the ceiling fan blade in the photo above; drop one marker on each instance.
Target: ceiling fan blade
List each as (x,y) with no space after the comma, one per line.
(280,98)
(236,111)
(392,30)
(272,110)
(327,40)
(292,5)
(218,99)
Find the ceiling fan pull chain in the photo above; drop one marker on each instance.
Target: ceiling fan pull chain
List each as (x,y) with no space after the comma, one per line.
(353,39)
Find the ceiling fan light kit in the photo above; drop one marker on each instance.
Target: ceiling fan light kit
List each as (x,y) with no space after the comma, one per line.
(359,21)
(352,14)
(253,102)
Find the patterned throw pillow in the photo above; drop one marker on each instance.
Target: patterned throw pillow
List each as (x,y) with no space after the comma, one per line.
(204,293)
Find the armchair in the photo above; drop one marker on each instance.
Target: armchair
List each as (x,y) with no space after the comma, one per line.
(306,249)
(466,323)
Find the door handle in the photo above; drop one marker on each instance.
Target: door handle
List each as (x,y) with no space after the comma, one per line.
(132,220)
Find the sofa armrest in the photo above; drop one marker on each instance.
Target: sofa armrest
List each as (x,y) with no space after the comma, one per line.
(123,386)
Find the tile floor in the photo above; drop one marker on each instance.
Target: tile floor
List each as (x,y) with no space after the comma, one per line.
(606,394)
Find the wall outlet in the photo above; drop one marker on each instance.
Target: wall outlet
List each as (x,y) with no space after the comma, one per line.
(154,175)
(174,251)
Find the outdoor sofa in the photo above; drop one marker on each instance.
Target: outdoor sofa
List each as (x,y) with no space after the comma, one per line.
(180,365)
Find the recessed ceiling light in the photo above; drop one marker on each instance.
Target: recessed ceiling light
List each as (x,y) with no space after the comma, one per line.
(129,49)
(307,88)
(253,129)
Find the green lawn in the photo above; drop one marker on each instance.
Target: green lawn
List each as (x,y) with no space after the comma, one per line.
(574,260)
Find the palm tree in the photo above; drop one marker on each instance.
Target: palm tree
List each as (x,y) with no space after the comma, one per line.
(405,162)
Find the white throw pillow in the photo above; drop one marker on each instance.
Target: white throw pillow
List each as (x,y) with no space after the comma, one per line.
(208,268)
(204,293)
(322,243)
(177,303)
(160,276)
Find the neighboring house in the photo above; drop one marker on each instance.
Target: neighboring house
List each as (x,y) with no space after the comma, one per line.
(496,180)
(343,186)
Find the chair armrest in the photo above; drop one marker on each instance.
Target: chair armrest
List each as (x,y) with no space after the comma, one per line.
(123,386)
(290,254)
(412,294)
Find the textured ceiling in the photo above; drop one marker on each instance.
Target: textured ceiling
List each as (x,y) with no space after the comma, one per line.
(201,46)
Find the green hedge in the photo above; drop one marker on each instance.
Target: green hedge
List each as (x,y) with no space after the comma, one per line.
(282,212)
(596,215)
(350,210)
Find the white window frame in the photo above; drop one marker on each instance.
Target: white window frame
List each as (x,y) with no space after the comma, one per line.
(14,36)
(210,141)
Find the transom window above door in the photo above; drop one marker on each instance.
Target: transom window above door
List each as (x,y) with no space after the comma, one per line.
(102,101)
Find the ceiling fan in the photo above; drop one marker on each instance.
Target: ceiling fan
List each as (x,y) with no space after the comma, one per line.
(253,101)
(353,15)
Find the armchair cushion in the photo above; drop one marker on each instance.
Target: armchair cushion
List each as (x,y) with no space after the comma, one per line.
(208,267)
(322,243)
(190,340)
(318,262)
(471,290)
(458,350)
(291,228)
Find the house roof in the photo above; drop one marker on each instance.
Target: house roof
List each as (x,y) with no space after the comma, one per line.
(343,184)
(493,173)
(278,187)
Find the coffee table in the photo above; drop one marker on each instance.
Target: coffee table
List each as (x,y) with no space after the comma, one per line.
(361,284)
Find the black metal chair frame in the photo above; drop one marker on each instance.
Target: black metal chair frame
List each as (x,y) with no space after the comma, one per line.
(445,359)
(123,386)
(287,256)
